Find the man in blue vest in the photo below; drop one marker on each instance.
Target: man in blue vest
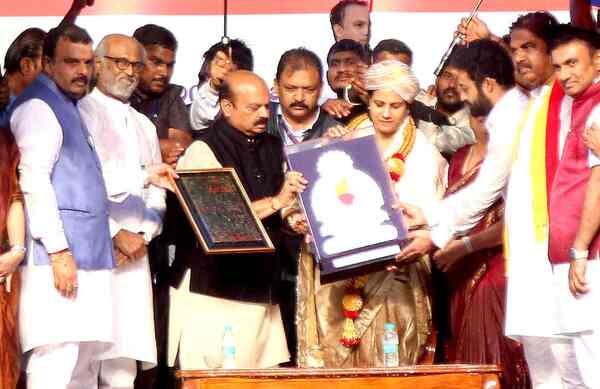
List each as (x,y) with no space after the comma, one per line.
(66,307)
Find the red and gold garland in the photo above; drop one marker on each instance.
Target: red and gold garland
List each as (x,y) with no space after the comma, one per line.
(353,300)
(395,163)
(352,304)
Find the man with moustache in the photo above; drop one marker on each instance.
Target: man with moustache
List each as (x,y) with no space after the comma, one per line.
(346,62)
(532,317)
(161,102)
(236,290)
(23,60)
(126,142)
(156,97)
(457,133)
(297,117)
(66,306)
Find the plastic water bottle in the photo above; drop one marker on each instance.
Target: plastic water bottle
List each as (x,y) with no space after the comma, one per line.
(390,345)
(228,348)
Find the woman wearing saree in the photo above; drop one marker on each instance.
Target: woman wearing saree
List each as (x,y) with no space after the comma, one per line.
(475,269)
(326,334)
(12,251)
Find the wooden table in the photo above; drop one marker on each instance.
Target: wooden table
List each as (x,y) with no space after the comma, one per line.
(417,377)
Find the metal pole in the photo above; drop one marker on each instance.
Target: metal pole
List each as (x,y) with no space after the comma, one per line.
(455,41)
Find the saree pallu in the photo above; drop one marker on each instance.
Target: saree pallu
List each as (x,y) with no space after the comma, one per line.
(477,285)
(400,297)
(10,352)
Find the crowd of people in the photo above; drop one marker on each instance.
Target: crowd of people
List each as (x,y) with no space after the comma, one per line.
(496,169)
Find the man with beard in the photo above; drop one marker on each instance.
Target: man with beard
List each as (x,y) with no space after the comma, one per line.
(347,60)
(532,317)
(66,306)
(126,142)
(447,137)
(156,98)
(210,292)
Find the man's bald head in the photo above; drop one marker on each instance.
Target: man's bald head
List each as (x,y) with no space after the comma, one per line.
(119,61)
(241,81)
(244,99)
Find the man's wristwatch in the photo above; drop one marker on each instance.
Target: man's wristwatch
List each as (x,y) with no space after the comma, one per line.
(575,254)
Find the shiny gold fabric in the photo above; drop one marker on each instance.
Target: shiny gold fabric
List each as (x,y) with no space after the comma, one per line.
(400,297)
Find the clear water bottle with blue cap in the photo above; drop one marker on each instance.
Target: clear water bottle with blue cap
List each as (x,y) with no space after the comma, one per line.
(228,348)
(390,345)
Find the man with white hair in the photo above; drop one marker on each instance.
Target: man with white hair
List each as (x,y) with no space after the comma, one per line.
(126,142)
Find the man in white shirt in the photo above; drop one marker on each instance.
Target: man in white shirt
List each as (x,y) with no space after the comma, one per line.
(126,142)
(532,314)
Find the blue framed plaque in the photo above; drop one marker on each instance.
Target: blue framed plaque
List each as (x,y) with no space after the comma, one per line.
(348,205)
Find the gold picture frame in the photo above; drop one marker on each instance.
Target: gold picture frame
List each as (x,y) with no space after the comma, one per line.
(220,212)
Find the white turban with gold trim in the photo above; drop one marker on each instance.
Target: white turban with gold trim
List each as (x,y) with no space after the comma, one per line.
(394,75)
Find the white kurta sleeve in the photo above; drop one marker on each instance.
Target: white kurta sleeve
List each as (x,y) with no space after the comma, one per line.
(154,197)
(447,139)
(462,211)
(39,138)
(198,156)
(205,108)
(594,118)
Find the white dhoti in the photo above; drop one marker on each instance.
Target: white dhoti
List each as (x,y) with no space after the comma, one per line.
(133,314)
(196,325)
(125,141)
(557,330)
(134,327)
(64,337)
(580,321)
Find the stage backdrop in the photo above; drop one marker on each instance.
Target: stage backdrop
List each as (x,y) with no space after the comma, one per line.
(270,27)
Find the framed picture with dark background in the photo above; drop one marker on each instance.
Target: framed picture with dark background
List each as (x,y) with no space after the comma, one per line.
(220,212)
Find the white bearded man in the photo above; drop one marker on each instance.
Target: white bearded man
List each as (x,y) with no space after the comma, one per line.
(126,143)
(417,171)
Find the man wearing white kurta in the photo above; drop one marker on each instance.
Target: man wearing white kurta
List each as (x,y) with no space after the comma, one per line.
(66,307)
(126,141)
(533,313)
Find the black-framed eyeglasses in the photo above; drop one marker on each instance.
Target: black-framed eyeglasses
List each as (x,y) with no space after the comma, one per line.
(124,64)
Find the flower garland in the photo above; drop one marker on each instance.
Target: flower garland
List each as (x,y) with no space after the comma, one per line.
(352,304)
(353,300)
(395,163)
